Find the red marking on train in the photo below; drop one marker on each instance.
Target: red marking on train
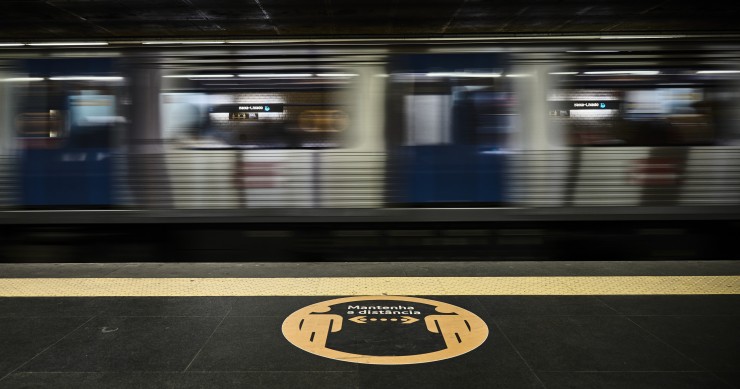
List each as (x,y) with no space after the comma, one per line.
(257,174)
(655,171)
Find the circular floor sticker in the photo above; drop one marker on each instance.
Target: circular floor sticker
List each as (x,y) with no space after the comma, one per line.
(385,330)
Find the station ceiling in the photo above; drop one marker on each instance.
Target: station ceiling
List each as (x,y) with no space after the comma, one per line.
(35,20)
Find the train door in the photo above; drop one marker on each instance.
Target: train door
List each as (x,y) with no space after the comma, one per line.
(65,122)
(449,124)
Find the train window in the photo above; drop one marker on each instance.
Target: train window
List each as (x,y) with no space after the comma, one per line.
(427,119)
(40,112)
(670,108)
(459,109)
(53,113)
(268,111)
(183,115)
(37,125)
(488,114)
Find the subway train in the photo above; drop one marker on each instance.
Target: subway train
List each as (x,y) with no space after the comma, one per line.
(364,124)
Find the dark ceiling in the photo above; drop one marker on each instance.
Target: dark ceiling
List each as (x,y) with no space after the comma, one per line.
(33,20)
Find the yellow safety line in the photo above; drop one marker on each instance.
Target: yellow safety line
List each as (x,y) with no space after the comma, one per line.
(362,286)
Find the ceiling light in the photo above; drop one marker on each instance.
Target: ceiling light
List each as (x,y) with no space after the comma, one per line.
(276,75)
(182,42)
(463,74)
(11,44)
(562,73)
(199,76)
(336,74)
(625,72)
(69,44)
(717,71)
(86,78)
(592,51)
(22,79)
(641,36)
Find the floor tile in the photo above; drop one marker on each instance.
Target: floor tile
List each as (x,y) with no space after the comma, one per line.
(471,303)
(493,364)
(632,380)
(440,379)
(157,380)
(711,341)
(589,343)
(571,268)
(164,306)
(544,305)
(370,269)
(128,344)
(484,269)
(186,270)
(271,306)
(338,269)
(309,379)
(256,343)
(114,306)
(650,268)
(56,270)
(732,378)
(674,304)
(22,338)
(48,307)
(261,269)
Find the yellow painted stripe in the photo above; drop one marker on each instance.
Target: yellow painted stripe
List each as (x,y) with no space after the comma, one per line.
(348,286)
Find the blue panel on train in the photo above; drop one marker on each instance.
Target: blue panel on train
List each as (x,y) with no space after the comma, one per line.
(451,174)
(59,177)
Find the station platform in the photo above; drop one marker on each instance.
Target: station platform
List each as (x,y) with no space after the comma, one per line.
(494,324)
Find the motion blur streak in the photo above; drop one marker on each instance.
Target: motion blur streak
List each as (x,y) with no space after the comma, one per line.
(637,123)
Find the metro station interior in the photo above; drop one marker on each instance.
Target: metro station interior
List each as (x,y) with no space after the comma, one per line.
(323,194)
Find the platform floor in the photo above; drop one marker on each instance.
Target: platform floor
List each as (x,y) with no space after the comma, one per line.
(223,325)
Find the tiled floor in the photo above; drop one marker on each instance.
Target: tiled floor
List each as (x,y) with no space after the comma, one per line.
(546,341)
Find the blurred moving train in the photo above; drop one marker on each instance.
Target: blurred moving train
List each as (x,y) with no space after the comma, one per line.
(396,124)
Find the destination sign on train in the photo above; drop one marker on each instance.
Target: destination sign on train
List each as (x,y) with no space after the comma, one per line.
(586,104)
(247,108)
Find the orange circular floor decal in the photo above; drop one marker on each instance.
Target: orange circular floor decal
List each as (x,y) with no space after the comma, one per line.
(385,330)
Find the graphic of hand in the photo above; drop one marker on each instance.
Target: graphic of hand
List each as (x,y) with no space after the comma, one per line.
(314,329)
(455,330)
